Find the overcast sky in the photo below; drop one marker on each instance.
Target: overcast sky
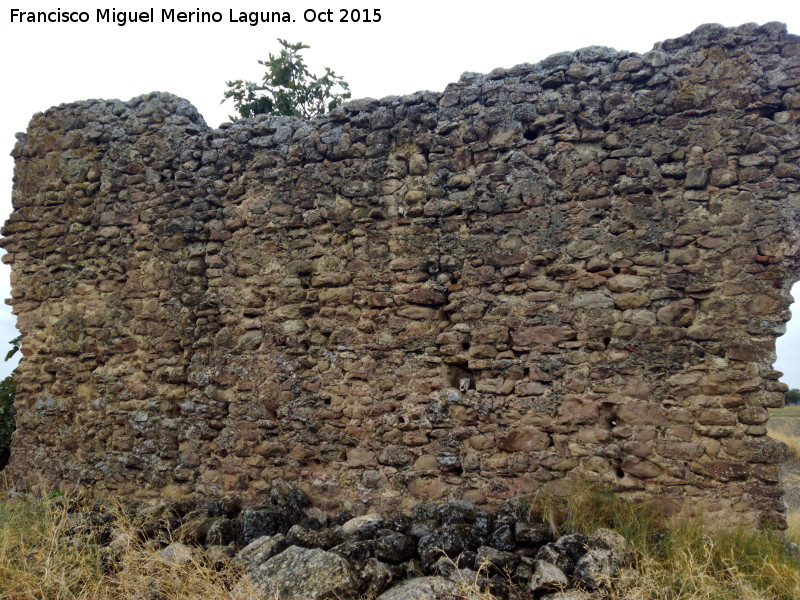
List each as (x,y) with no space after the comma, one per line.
(416,45)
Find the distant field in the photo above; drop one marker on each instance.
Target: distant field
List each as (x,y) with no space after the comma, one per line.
(787,412)
(784,426)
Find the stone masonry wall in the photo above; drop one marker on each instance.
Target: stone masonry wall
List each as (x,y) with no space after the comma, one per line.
(564,271)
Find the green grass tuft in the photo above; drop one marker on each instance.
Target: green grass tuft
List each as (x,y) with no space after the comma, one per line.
(681,559)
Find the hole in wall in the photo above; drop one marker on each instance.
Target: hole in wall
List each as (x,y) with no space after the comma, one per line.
(596,217)
(767,112)
(453,471)
(461,379)
(531,134)
(607,415)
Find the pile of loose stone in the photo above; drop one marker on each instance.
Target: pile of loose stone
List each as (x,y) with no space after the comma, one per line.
(440,550)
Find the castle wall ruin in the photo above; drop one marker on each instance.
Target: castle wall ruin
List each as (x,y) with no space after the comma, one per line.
(574,270)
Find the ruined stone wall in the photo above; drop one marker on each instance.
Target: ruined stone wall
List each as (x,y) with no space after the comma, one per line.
(562,271)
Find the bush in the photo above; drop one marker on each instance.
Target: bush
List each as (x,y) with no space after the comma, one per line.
(7,422)
(793,397)
(287,88)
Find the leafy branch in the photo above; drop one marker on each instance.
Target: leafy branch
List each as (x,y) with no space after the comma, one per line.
(288,88)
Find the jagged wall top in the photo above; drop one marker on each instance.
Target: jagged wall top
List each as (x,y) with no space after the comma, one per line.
(571,270)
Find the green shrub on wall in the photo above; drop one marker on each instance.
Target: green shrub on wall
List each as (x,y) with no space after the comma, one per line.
(288,88)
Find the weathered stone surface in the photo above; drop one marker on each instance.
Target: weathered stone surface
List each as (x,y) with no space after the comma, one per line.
(571,269)
(547,577)
(527,439)
(326,539)
(530,534)
(260,521)
(177,554)
(568,595)
(371,521)
(449,542)
(304,574)
(261,550)
(422,588)
(597,568)
(608,539)
(220,556)
(220,532)
(496,560)
(374,577)
(393,547)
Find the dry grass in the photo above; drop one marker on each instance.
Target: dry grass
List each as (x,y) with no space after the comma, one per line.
(793,519)
(786,420)
(784,426)
(791,441)
(46,554)
(682,560)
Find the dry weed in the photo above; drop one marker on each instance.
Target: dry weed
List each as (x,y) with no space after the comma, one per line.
(681,560)
(792,441)
(46,553)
